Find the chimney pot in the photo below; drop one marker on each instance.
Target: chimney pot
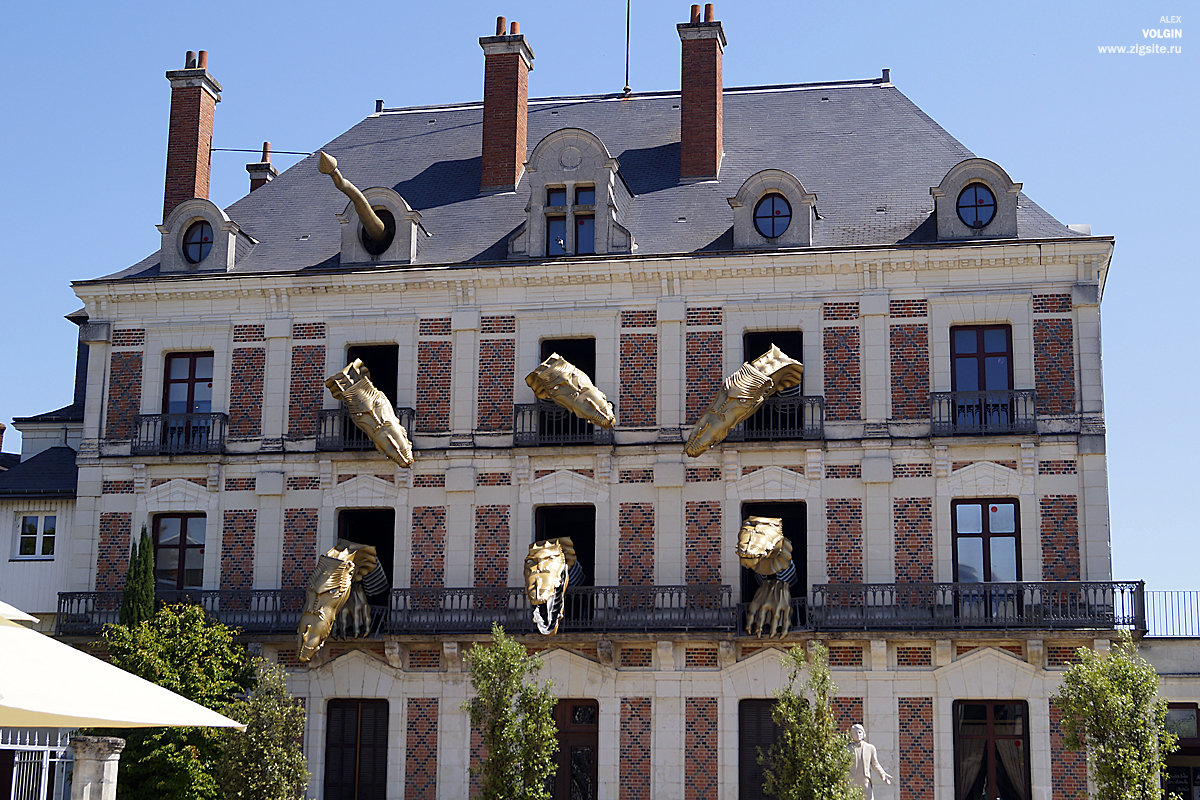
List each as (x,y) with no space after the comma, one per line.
(202,59)
(263,172)
(189,60)
(378,106)
(887,75)
(266,153)
(501,23)
(710,13)
(514,29)
(695,13)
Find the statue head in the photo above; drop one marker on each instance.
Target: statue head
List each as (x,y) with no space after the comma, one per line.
(546,576)
(564,384)
(857,733)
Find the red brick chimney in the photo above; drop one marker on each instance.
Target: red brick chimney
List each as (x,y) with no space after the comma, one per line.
(700,110)
(262,172)
(507,60)
(2,434)
(194,97)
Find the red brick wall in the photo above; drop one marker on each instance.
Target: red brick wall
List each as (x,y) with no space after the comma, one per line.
(916,748)
(847,711)
(491,546)
(112,557)
(478,751)
(636,544)
(840,312)
(496,375)
(308,384)
(1060,537)
(427,567)
(1054,365)
(247,372)
(189,146)
(435,369)
(635,748)
(699,658)
(636,658)
(845,655)
(836,471)
(420,750)
(909,349)
(638,403)
(129,337)
(493,479)
(900,309)
(1058,467)
(1051,303)
(249,333)
(843,374)
(701,115)
(237,549)
(302,483)
(700,745)
(299,546)
(915,470)
(844,540)
(1068,768)
(124,394)
(913,518)
(505,119)
(636,476)
(116,487)
(703,364)
(241,484)
(914,656)
(702,474)
(702,545)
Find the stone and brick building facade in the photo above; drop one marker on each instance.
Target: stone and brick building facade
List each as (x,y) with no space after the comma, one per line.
(941,470)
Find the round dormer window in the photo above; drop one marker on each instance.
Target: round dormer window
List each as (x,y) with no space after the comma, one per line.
(976,206)
(197,242)
(772,216)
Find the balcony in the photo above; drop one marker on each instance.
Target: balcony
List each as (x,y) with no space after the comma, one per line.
(983,413)
(179,434)
(1043,605)
(543,423)
(783,418)
(337,432)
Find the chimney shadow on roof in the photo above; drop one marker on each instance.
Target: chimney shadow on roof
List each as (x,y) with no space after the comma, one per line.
(651,169)
(925,232)
(442,184)
(722,242)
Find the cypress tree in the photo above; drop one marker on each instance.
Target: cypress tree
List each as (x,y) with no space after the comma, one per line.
(137,598)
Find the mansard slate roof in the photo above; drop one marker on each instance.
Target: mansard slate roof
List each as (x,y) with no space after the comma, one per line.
(51,473)
(860,146)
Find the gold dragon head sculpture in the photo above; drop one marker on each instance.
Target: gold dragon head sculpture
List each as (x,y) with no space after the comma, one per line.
(333,583)
(547,573)
(762,547)
(371,411)
(564,384)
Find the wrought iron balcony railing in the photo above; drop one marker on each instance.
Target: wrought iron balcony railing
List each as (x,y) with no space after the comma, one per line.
(337,432)
(589,609)
(544,423)
(174,434)
(781,418)
(983,413)
(1026,605)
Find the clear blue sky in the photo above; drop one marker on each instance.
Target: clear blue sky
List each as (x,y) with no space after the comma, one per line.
(1095,138)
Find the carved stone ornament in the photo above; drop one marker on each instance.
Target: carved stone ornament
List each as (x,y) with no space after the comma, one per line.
(762,547)
(547,573)
(740,396)
(564,384)
(371,411)
(335,597)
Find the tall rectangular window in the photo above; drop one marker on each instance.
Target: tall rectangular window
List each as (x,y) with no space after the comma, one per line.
(35,536)
(986,540)
(178,551)
(383,362)
(187,385)
(794,517)
(578,523)
(356,740)
(991,749)
(376,527)
(981,358)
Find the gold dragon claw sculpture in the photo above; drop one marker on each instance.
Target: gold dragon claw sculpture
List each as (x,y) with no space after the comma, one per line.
(740,396)
(763,548)
(547,573)
(564,384)
(375,227)
(371,411)
(335,602)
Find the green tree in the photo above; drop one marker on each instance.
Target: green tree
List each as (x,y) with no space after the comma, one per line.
(137,598)
(1110,707)
(266,761)
(811,759)
(516,718)
(180,649)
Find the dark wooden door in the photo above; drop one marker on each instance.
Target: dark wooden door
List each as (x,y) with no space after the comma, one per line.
(578,724)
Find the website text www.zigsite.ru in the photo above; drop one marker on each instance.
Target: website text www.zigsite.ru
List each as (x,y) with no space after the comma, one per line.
(1149,45)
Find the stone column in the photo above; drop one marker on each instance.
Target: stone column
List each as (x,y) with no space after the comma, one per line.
(95,775)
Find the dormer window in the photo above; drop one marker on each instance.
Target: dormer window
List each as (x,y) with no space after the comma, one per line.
(197,235)
(976,206)
(563,220)
(976,199)
(772,216)
(197,242)
(772,209)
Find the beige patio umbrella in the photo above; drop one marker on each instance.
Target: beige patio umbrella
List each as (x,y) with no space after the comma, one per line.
(47,684)
(12,612)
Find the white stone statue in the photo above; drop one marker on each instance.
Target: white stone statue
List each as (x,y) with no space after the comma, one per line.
(865,760)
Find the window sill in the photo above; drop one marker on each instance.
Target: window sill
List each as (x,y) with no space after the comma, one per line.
(31,558)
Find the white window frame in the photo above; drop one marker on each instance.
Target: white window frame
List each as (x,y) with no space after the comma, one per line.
(40,537)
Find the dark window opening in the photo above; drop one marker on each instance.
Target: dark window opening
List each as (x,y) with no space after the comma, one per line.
(795,530)
(557,424)
(178,552)
(556,196)
(991,749)
(756,343)
(578,523)
(580,352)
(585,195)
(356,756)
(376,527)
(382,360)
(576,776)
(756,732)
(378,247)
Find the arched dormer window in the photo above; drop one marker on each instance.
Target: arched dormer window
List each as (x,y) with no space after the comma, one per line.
(576,200)
(402,229)
(976,200)
(772,209)
(197,236)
